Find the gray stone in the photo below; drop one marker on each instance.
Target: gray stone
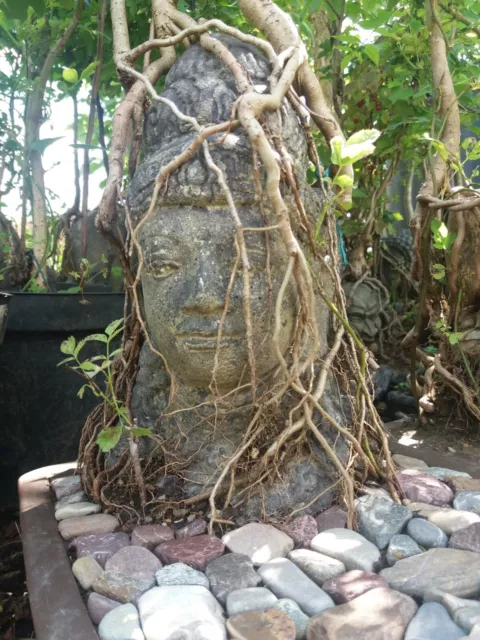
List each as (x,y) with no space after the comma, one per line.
(451,570)
(379,614)
(180,574)
(422,487)
(151,535)
(231,572)
(197,551)
(406,462)
(401,547)
(118,586)
(463,484)
(351,548)
(122,623)
(331,518)
(467,501)
(86,570)
(260,542)
(379,520)
(465,613)
(185,280)
(286,580)
(87,525)
(474,633)
(467,539)
(100,546)
(249,599)
(293,611)
(271,624)
(135,562)
(80,496)
(76,509)
(172,613)
(440,473)
(432,622)
(194,528)
(98,606)
(382,379)
(352,585)
(66,486)
(317,566)
(426,534)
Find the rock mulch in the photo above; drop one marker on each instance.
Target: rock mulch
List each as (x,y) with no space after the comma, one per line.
(410,572)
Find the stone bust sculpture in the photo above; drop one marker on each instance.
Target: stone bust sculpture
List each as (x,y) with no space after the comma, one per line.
(189,252)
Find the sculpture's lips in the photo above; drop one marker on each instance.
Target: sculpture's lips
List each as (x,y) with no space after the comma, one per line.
(206,341)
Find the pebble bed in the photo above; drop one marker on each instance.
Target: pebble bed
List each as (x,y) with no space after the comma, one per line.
(409,572)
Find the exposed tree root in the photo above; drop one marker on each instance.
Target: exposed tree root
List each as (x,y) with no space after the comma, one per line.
(301,377)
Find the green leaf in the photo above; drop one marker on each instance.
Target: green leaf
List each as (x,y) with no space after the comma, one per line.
(109,437)
(89,366)
(81,391)
(71,290)
(113,326)
(41,145)
(336,144)
(344,182)
(96,337)
(65,361)
(397,216)
(140,431)
(373,53)
(438,271)
(86,73)
(68,346)
(454,338)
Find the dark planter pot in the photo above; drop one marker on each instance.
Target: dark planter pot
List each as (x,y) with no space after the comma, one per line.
(41,416)
(57,608)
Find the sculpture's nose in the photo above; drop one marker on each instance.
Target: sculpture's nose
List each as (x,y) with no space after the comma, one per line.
(208,290)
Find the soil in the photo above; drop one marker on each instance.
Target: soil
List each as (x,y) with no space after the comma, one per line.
(15,616)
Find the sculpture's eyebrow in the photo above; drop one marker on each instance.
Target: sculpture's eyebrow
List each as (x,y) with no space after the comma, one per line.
(160,241)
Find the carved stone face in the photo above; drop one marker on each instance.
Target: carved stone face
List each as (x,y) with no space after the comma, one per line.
(189,254)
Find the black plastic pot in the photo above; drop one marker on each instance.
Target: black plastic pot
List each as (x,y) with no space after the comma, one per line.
(41,416)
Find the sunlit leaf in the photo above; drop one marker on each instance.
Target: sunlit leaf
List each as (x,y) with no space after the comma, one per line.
(109,437)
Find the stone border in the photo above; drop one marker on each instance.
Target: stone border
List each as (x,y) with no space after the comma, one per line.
(58,610)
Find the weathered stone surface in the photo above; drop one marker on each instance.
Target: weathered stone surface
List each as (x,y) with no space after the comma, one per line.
(66,486)
(467,539)
(423,510)
(432,622)
(75,510)
(135,562)
(352,585)
(118,586)
(382,379)
(426,534)
(452,520)
(375,491)
(406,462)
(302,530)
(260,542)
(100,546)
(194,528)
(150,535)
(421,487)
(331,518)
(171,613)
(87,525)
(286,580)
(197,551)
(261,625)
(180,574)
(465,613)
(467,501)
(292,610)
(249,599)
(80,496)
(441,473)
(379,520)
(401,547)
(474,633)
(86,570)
(379,614)
(317,566)
(463,484)
(231,572)
(351,548)
(451,570)
(122,623)
(98,606)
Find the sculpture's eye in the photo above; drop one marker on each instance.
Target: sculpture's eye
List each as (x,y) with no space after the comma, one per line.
(163,269)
